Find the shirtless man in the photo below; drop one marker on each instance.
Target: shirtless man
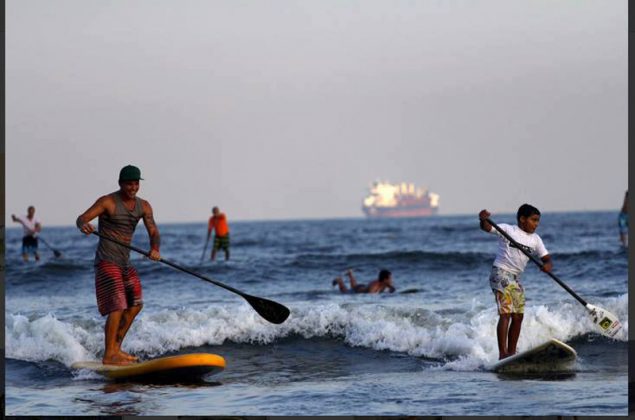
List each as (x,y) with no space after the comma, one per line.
(117,284)
(383,282)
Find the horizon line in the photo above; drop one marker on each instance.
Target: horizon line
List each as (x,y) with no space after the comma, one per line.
(309,219)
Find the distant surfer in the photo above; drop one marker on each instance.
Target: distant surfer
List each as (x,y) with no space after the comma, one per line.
(30,228)
(383,282)
(510,262)
(622,222)
(117,284)
(218,224)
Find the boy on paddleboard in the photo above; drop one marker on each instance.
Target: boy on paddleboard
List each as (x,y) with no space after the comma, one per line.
(117,284)
(504,278)
(383,282)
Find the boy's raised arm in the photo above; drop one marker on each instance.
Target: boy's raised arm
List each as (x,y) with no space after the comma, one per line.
(485,225)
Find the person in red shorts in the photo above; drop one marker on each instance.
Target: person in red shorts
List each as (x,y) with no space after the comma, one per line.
(117,284)
(218,222)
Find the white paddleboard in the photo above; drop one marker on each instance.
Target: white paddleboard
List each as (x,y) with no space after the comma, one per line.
(549,357)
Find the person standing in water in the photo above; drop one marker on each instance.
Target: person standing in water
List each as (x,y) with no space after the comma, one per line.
(117,284)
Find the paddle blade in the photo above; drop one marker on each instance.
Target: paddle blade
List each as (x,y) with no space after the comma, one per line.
(608,323)
(268,309)
(57,253)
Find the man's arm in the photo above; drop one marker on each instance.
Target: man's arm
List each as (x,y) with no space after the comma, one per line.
(153,231)
(96,210)
(547,265)
(351,277)
(20,221)
(485,225)
(210,226)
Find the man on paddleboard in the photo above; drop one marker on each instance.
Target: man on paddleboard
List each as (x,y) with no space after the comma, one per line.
(117,285)
(383,282)
(31,227)
(218,224)
(509,264)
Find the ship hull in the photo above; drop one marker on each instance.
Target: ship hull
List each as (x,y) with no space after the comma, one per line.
(396,212)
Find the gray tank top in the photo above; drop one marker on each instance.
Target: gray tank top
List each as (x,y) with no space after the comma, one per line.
(121,226)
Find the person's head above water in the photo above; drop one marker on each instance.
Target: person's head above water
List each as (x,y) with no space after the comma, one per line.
(384,275)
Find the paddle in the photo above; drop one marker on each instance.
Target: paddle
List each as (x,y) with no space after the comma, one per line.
(55,251)
(268,309)
(205,249)
(608,323)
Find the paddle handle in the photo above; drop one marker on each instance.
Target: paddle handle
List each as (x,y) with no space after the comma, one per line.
(171,264)
(537,261)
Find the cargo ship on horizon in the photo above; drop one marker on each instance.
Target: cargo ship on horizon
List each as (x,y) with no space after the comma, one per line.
(399,200)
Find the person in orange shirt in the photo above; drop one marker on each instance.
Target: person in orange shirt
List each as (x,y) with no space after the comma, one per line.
(218,222)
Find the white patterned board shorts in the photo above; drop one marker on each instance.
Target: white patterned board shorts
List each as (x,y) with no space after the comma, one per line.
(508,292)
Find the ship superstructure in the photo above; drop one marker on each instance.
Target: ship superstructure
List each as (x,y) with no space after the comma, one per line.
(399,200)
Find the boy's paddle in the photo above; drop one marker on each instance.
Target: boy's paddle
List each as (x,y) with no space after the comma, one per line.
(55,251)
(608,323)
(268,309)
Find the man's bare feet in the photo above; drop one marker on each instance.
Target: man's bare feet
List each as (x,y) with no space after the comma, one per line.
(128,356)
(116,359)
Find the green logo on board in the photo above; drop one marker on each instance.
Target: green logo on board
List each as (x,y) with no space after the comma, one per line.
(605,323)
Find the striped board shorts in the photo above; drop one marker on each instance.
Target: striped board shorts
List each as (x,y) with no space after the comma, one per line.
(116,287)
(221,242)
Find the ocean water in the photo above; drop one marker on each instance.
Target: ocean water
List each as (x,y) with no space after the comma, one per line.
(423,350)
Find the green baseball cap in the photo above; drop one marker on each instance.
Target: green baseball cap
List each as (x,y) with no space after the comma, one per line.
(130,173)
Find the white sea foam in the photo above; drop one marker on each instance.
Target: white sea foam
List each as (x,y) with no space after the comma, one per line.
(463,341)
(45,338)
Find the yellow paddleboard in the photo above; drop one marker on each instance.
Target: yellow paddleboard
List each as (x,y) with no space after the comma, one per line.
(179,367)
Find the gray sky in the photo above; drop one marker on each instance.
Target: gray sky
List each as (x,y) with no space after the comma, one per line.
(290,109)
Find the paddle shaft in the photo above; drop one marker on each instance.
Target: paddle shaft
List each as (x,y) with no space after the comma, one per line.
(205,249)
(537,261)
(173,265)
(48,245)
